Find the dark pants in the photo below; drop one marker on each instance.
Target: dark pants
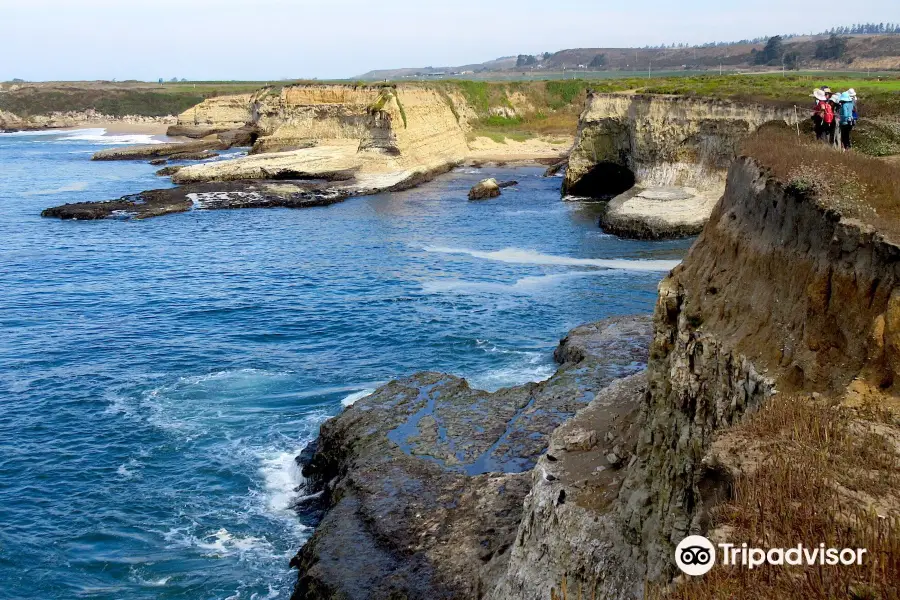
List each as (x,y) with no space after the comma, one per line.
(845,136)
(830,129)
(818,127)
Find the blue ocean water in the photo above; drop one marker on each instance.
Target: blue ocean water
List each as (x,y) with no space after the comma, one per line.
(158,377)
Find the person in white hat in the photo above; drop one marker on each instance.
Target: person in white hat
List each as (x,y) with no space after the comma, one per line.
(818,117)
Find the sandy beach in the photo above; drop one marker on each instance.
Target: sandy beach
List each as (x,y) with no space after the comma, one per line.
(534,150)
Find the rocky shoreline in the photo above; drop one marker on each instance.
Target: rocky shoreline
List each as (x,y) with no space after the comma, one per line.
(423,481)
(10,122)
(588,480)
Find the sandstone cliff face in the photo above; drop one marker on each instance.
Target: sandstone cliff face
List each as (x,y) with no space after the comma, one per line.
(412,124)
(215,115)
(319,130)
(779,290)
(658,141)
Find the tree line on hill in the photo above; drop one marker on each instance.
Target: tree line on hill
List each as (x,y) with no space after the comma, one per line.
(773,53)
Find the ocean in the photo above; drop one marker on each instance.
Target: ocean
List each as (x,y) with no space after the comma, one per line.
(158,377)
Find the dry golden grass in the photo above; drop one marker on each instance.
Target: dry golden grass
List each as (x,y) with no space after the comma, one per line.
(827,475)
(857,186)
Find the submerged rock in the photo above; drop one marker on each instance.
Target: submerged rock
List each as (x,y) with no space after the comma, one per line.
(424,480)
(555,168)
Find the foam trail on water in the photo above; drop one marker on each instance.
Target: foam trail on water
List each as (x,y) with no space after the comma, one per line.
(524,285)
(78,186)
(43,132)
(98,136)
(531,257)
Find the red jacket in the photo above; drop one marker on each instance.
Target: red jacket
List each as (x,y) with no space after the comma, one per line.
(827,112)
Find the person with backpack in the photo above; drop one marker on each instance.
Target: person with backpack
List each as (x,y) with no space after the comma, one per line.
(818,117)
(846,119)
(828,119)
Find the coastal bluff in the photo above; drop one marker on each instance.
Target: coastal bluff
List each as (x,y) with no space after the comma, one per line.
(661,159)
(783,300)
(309,131)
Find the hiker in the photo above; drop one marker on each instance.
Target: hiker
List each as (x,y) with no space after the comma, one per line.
(846,119)
(830,123)
(818,117)
(852,93)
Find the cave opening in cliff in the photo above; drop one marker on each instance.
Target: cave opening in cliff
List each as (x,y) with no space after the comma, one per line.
(604,181)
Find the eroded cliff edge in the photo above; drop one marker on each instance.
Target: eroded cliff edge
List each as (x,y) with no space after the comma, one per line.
(780,294)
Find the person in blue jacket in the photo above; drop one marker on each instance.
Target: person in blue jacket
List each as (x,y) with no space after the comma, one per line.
(845,119)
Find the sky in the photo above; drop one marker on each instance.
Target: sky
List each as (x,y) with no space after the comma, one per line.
(290,39)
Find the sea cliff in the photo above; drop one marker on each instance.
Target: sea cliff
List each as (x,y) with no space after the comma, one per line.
(661,159)
(782,294)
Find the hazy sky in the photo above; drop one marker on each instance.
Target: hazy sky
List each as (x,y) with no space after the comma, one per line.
(273,39)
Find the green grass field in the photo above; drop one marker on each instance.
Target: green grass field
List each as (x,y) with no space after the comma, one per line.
(553,104)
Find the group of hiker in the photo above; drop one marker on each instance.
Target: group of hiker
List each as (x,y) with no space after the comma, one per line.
(834,111)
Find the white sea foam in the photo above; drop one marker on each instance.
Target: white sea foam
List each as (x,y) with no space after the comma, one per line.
(223,543)
(98,136)
(525,285)
(139,576)
(77,186)
(535,367)
(282,478)
(352,398)
(44,132)
(531,257)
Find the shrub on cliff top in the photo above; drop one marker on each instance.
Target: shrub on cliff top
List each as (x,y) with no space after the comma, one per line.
(856,186)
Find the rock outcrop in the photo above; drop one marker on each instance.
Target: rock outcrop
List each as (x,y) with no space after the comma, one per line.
(325,131)
(658,212)
(486,188)
(424,480)
(659,141)
(201,196)
(217,115)
(170,150)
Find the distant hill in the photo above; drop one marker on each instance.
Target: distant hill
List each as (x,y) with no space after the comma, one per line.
(824,51)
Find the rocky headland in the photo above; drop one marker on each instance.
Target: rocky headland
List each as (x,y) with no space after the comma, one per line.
(785,300)
(347,140)
(662,160)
